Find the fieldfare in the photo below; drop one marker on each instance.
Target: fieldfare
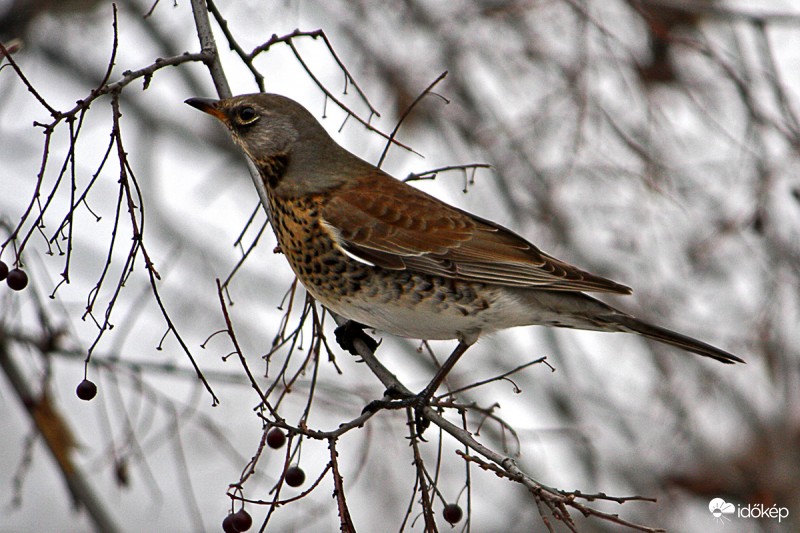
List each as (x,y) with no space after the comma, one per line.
(382,253)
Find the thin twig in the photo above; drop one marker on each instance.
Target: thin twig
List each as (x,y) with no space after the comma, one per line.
(391,139)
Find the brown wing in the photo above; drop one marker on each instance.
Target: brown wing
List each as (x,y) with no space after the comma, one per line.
(390,224)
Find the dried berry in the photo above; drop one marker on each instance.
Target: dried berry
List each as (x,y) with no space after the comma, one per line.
(227,525)
(86,390)
(242,520)
(17,279)
(276,438)
(3,271)
(452,513)
(295,476)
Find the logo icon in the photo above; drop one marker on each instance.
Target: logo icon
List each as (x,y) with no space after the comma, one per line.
(719,508)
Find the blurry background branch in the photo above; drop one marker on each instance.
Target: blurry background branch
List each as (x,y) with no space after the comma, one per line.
(58,439)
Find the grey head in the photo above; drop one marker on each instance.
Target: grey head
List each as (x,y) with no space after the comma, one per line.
(288,145)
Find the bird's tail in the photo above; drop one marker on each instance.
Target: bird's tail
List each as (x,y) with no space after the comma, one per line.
(672,338)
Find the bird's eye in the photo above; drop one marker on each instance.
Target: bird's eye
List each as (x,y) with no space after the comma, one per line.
(247,115)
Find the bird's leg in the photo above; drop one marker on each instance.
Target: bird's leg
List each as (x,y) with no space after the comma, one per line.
(394,399)
(350,330)
(423,398)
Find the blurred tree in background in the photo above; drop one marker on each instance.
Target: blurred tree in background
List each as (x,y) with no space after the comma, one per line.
(653,142)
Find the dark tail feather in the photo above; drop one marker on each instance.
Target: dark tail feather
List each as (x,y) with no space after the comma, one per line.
(672,338)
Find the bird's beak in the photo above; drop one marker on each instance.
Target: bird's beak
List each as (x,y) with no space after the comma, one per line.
(208,105)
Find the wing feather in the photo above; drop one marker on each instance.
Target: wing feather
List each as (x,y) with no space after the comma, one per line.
(392,225)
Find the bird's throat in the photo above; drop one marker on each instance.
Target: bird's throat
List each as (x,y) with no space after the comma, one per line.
(273,170)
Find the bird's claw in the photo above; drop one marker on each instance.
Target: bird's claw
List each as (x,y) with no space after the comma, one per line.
(399,400)
(348,332)
(393,398)
(420,422)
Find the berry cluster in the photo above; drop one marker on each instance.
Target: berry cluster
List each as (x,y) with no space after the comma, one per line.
(294,475)
(237,522)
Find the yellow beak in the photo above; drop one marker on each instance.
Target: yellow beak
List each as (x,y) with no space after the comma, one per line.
(208,105)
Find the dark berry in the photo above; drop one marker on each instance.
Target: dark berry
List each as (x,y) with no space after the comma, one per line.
(228,525)
(452,513)
(17,279)
(3,270)
(86,390)
(276,438)
(295,476)
(242,520)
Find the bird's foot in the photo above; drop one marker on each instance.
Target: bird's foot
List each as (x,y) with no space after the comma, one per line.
(348,332)
(421,401)
(392,399)
(395,399)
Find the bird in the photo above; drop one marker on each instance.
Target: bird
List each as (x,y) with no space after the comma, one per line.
(386,255)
